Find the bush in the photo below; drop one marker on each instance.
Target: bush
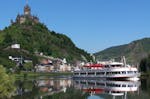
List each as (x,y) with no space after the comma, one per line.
(6,84)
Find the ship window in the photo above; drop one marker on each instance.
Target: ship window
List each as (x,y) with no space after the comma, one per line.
(130,72)
(123,85)
(115,72)
(76,73)
(123,72)
(77,82)
(107,66)
(99,73)
(91,83)
(130,85)
(92,73)
(112,85)
(83,73)
(83,82)
(102,84)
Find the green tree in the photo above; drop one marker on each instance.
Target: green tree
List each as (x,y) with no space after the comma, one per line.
(145,64)
(28,66)
(6,84)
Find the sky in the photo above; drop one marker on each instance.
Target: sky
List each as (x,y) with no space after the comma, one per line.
(93,25)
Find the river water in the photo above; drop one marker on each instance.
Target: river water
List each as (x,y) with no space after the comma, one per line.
(68,88)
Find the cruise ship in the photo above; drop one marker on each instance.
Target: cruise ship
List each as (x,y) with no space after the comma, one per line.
(109,70)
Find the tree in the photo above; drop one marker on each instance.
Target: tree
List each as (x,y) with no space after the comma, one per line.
(143,65)
(28,66)
(6,84)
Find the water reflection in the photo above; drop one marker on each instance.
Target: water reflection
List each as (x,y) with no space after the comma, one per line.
(41,87)
(113,88)
(53,85)
(67,88)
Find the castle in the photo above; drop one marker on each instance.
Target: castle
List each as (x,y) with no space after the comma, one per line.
(26,16)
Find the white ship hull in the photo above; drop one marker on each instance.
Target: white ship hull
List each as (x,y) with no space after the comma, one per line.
(121,72)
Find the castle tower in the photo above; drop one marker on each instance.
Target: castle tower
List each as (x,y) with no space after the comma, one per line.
(27,15)
(27,10)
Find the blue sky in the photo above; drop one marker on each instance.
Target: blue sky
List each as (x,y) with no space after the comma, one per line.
(93,25)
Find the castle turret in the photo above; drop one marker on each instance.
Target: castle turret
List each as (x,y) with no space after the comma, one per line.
(27,10)
(27,16)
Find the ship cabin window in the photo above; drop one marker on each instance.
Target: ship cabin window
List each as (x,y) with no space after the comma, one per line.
(83,82)
(91,83)
(130,72)
(109,73)
(77,82)
(101,84)
(135,71)
(123,72)
(107,66)
(112,85)
(130,85)
(76,73)
(116,92)
(83,73)
(115,65)
(100,73)
(119,65)
(92,73)
(123,85)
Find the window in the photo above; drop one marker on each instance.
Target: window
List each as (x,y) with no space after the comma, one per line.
(99,73)
(123,72)
(130,72)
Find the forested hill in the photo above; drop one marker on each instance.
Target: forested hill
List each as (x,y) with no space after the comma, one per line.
(133,51)
(38,38)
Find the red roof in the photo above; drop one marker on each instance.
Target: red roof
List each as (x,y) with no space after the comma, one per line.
(94,65)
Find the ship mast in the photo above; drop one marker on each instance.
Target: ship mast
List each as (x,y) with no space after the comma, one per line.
(124,61)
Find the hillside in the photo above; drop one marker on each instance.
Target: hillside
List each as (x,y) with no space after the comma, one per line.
(133,51)
(37,38)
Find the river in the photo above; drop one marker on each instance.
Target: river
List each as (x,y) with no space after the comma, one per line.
(68,88)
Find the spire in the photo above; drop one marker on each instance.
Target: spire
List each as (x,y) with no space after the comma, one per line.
(27,9)
(26,2)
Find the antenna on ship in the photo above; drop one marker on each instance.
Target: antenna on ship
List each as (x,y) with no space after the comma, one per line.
(124,61)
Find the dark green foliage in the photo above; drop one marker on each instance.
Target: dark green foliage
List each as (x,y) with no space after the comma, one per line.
(37,38)
(133,51)
(145,64)
(5,61)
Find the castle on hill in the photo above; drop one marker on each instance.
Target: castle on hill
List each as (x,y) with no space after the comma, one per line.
(26,16)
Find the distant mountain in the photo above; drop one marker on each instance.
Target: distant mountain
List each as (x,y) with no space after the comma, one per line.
(133,51)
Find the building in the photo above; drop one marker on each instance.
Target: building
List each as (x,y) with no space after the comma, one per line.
(26,16)
(15,46)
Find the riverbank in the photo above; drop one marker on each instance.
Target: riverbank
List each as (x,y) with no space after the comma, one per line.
(37,74)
